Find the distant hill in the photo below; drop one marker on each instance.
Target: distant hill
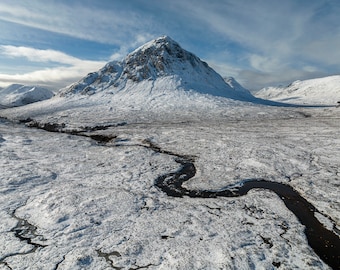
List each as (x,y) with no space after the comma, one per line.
(18,95)
(321,91)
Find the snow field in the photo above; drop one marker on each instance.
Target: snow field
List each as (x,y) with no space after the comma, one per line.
(87,199)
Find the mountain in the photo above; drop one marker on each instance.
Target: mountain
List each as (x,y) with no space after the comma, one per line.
(18,95)
(159,78)
(237,87)
(320,91)
(157,67)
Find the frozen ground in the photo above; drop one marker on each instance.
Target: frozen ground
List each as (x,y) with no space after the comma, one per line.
(68,202)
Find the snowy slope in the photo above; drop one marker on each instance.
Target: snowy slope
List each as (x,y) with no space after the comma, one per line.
(18,95)
(159,66)
(325,91)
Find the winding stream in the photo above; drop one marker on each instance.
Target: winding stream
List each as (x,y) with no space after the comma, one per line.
(325,243)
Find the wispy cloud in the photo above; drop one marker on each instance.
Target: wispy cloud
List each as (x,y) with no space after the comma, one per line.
(68,69)
(267,41)
(77,19)
(36,55)
(256,80)
(282,38)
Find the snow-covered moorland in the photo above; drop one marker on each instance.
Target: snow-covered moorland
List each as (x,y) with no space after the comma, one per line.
(84,196)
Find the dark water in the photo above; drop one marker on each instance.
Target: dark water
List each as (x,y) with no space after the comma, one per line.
(325,243)
(3,120)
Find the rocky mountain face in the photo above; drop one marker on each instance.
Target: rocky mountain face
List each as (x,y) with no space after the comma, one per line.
(161,65)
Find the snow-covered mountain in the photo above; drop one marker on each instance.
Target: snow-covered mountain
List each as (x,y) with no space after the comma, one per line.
(157,67)
(158,78)
(323,91)
(236,86)
(18,95)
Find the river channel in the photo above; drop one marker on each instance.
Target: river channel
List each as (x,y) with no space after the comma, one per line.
(325,243)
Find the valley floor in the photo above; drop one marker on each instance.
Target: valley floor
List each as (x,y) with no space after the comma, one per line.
(69,202)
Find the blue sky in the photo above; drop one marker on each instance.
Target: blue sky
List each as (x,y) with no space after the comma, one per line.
(259,42)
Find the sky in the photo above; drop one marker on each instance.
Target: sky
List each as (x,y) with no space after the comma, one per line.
(258,42)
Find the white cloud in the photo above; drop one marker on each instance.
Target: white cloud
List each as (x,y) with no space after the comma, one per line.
(113,26)
(278,39)
(255,80)
(265,63)
(69,70)
(36,55)
(281,38)
(54,78)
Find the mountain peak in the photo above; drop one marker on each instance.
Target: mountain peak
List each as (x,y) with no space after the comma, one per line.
(158,42)
(160,57)
(158,66)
